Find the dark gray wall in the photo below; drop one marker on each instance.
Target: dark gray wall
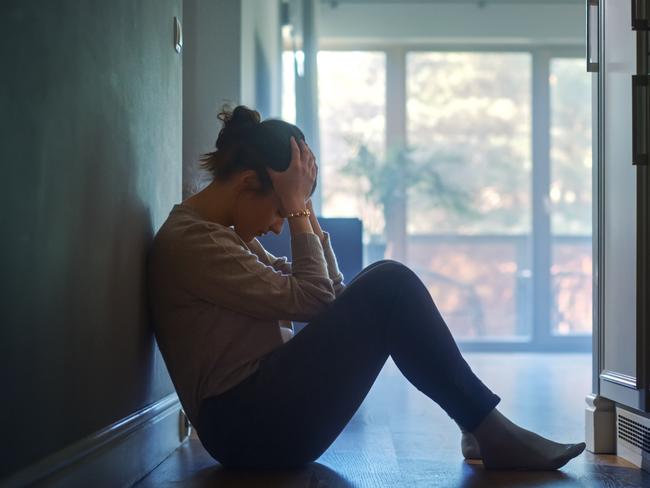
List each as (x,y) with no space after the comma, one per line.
(261,46)
(231,54)
(90,167)
(211,77)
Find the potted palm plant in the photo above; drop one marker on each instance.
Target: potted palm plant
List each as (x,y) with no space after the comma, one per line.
(392,177)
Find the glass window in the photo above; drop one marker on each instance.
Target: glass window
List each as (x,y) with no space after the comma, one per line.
(469,219)
(352,108)
(288,87)
(469,205)
(570,196)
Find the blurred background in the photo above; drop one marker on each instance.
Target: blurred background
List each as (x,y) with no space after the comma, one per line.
(453,136)
(460,134)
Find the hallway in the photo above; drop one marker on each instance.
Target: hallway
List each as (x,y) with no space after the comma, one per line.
(399,438)
(467,139)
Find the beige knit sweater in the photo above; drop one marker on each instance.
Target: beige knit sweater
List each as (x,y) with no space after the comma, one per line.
(218,304)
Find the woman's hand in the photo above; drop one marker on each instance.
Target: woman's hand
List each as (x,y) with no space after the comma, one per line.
(294,185)
(314,221)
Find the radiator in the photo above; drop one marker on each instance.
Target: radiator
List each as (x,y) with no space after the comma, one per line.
(633,437)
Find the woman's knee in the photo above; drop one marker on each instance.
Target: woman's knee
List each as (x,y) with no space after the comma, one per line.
(381,279)
(393,269)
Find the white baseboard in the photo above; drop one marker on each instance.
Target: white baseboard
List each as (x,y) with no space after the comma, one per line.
(600,425)
(116,456)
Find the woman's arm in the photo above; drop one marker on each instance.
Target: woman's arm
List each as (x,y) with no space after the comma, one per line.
(332,267)
(284,265)
(314,221)
(218,267)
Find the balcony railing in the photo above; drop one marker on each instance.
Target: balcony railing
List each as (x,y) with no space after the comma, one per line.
(484,288)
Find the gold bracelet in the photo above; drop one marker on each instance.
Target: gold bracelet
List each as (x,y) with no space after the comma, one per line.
(301,213)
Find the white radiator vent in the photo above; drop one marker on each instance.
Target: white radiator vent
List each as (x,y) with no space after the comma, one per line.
(634,433)
(633,437)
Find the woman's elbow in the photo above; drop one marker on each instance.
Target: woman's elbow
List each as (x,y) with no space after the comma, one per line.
(322,300)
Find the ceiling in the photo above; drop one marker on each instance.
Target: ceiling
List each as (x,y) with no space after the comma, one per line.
(334,3)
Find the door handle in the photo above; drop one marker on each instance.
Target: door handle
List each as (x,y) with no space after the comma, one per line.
(640,10)
(640,115)
(592,35)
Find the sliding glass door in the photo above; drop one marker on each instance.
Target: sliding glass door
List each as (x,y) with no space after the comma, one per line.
(468,119)
(570,197)
(482,186)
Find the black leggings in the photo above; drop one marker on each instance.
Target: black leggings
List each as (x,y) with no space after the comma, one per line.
(291,409)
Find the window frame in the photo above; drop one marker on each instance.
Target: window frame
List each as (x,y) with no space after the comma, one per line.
(541,339)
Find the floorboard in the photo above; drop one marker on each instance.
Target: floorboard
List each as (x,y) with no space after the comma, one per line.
(400,438)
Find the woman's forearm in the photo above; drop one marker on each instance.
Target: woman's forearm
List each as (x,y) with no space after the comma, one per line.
(314,221)
(316,226)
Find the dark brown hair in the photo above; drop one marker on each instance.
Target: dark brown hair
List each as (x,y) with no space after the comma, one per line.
(246,143)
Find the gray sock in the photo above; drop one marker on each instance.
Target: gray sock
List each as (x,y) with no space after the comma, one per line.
(505,445)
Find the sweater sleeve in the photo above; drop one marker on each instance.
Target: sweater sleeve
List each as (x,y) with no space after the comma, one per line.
(282,264)
(217,267)
(332,265)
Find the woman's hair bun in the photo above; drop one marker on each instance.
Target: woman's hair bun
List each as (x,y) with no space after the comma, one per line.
(235,123)
(247,143)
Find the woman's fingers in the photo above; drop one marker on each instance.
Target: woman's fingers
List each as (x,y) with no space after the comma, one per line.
(303,152)
(311,153)
(306,150)
(308,159)
(295,150)
(311,160)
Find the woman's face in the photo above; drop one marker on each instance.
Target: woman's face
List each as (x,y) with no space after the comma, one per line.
(255,215)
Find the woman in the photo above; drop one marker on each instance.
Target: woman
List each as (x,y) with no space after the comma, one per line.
(260,398)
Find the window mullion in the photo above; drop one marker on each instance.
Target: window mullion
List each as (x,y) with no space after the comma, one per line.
(541,218)
(396,138)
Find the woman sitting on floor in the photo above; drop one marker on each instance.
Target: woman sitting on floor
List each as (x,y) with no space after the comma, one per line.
(263,399)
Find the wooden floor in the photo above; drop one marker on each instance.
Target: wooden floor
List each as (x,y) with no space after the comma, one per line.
(400,438)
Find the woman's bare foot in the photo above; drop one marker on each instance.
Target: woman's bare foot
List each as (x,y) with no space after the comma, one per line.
(505,445)
(469,446)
